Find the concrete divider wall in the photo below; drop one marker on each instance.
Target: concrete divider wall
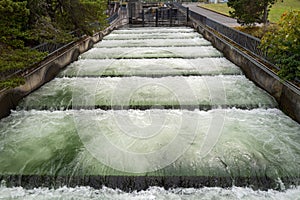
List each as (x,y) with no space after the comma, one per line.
(49,68)
(287,96)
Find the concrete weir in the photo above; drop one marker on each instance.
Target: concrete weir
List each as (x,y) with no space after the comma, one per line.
(131,114)
(132,118)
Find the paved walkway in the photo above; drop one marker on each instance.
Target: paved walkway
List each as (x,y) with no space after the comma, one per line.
(212,15)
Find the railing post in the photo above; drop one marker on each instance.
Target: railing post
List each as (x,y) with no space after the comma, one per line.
(156,17)
(171,15)
(143,17)
(187,15)
(130,14)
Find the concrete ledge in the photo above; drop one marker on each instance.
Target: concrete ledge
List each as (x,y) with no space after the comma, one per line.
(49,68)
(287,96)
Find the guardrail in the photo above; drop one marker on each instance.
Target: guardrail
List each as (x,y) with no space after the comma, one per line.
(112,18)
(246,41)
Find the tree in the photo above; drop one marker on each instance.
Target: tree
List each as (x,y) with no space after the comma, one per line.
(13,20)
(283,45)
(81,14)
(249,12)
(58,18)
(24,24)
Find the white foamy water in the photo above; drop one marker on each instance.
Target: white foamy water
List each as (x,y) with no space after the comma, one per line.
(257,148)
(154,30)
(152,52)
(140,91)
(153,43)
(153,193)
(150,67)
(218,143)
(152,35)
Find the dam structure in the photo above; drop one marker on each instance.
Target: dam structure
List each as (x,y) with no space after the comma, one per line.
(149,107)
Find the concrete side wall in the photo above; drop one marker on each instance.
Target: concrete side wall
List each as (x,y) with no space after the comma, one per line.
(287,96)
(48,69)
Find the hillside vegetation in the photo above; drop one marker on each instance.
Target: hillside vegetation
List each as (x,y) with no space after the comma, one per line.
(25,24)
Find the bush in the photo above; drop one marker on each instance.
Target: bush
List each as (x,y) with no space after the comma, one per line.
(283,45)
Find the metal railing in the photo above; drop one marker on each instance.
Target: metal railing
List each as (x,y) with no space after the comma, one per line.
(112,18)
(246,41)
(48,47)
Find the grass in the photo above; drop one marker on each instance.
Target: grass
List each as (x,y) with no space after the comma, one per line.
(220,8)
(276,11)
(280,7)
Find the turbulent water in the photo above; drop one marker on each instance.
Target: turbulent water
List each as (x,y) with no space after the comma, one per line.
(150,67)
(264,150)
(179,92)
(82,193)
(150,107)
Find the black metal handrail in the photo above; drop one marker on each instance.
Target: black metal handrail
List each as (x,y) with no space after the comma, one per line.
(246,41)
(112,18)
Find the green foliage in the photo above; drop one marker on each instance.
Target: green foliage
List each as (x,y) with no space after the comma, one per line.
(12,61)
(19,58)
(11,82)
(73,15)
(13,20)
(60,18)
(36,21)
(249,12)
(24,24)
(257,31)
(283,45)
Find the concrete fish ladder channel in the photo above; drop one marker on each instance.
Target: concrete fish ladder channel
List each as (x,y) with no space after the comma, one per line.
(150,107)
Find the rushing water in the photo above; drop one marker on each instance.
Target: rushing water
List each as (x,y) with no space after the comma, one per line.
(153,35)
(267,147)
(151,52)
(150,67)
(150,107)
(207,193)
(175,92)
(154,43)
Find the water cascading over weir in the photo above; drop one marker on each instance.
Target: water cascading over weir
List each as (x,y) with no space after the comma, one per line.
(150,107)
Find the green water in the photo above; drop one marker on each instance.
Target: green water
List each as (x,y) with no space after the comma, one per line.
(258,142)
